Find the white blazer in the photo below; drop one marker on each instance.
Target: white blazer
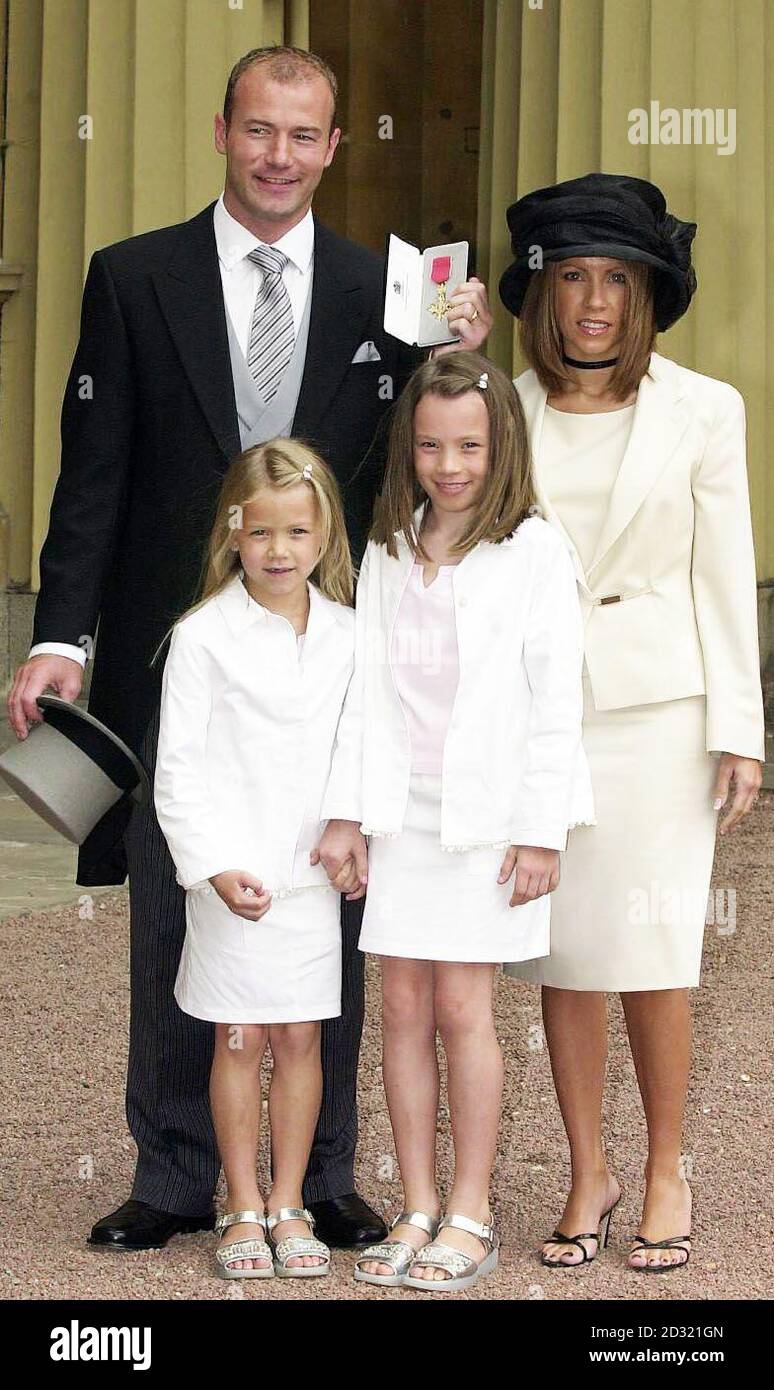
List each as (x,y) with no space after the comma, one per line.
(514,768)
(246,734)
(669,601)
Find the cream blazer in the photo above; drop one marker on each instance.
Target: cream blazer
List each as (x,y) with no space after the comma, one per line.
(514,766)
(246,734)
(669,600)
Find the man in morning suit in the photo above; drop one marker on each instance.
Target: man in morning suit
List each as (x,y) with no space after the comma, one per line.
(160,398)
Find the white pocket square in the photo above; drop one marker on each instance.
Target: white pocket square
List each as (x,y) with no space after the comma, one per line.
(367,352)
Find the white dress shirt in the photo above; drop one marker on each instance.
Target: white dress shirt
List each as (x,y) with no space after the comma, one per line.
(248,722)
(241,279)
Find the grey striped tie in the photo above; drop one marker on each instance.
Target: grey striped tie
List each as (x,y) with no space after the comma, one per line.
(272,332)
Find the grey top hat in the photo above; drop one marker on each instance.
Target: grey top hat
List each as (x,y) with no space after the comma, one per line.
(71,769)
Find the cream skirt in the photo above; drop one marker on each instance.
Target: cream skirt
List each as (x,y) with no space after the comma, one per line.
(630,909)
(426,904)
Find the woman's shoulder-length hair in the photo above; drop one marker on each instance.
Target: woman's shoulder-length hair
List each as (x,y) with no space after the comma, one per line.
(541,341)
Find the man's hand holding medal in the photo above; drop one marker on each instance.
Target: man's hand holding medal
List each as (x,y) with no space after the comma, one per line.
(418,307)
(469,317)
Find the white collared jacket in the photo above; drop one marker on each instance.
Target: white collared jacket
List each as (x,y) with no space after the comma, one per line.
(514,767)
(247,729)
(669,601)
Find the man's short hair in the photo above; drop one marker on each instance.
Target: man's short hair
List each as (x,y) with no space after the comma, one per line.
(286,64)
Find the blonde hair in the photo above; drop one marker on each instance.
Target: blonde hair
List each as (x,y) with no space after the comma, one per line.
(279,463)
(509,493)
(541,340)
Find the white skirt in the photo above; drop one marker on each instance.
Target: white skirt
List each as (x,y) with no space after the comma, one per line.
(425,903)
(284,968)
(630,909)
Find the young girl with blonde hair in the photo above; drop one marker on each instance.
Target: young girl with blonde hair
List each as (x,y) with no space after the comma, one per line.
(251,696)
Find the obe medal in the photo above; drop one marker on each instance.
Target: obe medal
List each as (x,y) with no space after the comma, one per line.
(439,274)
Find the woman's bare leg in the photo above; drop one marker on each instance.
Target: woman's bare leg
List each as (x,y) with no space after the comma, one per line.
(659,1026)
(575,1023)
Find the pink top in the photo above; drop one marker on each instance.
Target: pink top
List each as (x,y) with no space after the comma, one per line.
(425,664)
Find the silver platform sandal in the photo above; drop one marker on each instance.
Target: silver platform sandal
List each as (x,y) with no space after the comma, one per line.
(463,1270)
(285,1249)
(398,1254)
(246,1249)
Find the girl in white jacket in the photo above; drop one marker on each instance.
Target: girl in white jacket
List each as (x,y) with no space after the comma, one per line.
(459,755)
(252,692)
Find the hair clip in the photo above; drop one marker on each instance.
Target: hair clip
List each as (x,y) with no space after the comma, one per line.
(307,473)
(483,380)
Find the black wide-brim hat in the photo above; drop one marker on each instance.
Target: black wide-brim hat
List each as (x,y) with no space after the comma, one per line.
(71,769)
(610,215)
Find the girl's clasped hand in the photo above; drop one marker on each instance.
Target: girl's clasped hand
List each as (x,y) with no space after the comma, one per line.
(345,859)
(537,872)
(242,893)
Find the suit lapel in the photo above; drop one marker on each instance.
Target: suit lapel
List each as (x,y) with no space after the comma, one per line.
(395,575)
(660,421)
(190,293)
(338,314)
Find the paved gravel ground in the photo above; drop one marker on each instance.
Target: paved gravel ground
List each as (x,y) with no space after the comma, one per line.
(67,1157)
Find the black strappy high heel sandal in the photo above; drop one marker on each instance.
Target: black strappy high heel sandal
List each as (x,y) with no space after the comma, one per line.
(672,1243)
(601,1237)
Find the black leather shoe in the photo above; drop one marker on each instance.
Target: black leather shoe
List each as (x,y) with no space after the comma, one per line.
(344,1222)
(137,1226)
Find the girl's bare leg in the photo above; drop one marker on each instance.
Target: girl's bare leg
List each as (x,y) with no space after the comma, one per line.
(411,1083)
(463,1012)
(235,1098)
(294,1105)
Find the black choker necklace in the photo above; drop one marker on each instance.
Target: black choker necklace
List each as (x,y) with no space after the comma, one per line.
(573,362)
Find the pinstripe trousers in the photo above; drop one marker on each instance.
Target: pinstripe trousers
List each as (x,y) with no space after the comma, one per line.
(170,1053)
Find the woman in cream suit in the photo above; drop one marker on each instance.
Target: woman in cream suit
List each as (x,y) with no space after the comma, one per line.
(640,463)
